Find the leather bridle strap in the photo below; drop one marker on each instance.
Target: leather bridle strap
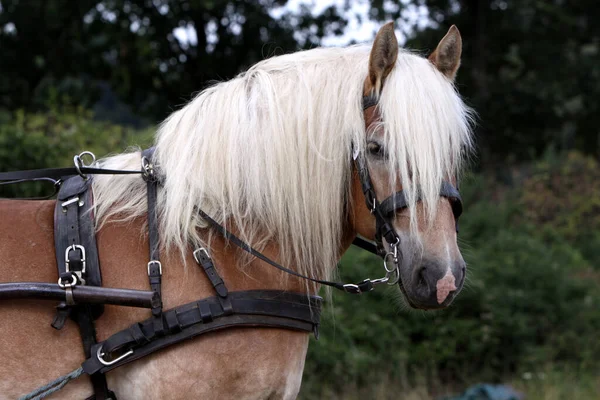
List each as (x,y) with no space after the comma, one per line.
(365,245)
(384,228)
(385,210)
(397,201)
(364,286)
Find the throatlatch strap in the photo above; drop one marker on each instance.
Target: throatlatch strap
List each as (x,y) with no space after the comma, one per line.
(365,245)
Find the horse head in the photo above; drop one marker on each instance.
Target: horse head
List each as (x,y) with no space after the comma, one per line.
(416,135)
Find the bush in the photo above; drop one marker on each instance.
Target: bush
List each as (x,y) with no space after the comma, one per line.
(531,298)
(562,198)
(45,140)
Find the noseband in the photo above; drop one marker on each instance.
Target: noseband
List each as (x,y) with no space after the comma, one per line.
(385,210)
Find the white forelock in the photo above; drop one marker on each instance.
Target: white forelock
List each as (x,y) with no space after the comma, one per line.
(270,152)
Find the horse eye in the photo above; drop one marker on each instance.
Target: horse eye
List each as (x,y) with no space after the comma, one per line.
(375,149)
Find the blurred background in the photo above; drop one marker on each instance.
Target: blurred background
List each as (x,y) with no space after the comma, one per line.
(100,74)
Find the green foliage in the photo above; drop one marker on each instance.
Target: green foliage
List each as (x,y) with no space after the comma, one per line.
(554,383)
(532,84)
(562,197)
(46,140)
(531,299)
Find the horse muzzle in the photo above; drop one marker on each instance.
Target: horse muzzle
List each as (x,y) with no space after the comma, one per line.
(433,285)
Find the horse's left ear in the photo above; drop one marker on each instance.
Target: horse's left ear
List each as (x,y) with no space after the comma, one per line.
(382,59)
(446,56)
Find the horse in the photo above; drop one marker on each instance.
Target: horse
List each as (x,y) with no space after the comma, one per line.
(270,155)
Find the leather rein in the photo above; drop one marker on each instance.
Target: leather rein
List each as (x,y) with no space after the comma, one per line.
(83,297)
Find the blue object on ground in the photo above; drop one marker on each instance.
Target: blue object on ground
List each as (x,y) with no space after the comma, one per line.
(484,391)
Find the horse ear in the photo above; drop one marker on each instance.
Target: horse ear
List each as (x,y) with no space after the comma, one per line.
(446,56)
(382,59)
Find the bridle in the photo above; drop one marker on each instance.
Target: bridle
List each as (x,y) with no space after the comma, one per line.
(385,210)
(384,213)
(80,286)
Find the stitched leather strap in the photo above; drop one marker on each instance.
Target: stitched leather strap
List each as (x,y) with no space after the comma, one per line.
(256,308)
(154,266)
(397,201)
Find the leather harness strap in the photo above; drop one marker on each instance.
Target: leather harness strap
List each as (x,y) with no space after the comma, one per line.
(205,261)
(154,265)
(78,265)
(59,173)
(254,308)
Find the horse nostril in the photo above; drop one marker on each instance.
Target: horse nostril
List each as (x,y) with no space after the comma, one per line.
(463,271)
(422,281)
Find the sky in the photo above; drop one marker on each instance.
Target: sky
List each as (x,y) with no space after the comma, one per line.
(360,27)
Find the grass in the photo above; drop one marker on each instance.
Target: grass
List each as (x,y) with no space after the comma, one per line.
(558,385)
(551,384)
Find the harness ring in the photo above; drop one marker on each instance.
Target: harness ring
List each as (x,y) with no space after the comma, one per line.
(100,356)
(78,161)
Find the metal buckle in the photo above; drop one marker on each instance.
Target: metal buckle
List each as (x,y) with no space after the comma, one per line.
(148,169)
(371,198)
(100,354)
(78,161)
(392,275)
(71,248)
(68,284)
(352,288)
(79,274)
(159,267)
(197,258)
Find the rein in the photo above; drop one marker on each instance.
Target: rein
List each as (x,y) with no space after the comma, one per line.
(80,287)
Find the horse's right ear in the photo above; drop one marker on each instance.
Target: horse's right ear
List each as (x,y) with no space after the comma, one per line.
(382,59)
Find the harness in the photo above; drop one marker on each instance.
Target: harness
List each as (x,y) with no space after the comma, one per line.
(82,296)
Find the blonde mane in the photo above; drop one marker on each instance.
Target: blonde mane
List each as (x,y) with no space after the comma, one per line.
(269,152)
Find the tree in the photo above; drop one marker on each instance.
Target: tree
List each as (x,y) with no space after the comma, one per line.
(530,68)
(60,50)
